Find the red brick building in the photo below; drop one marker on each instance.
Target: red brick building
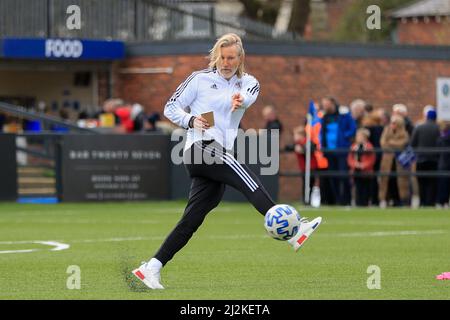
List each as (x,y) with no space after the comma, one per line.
(290,75)
(423,22)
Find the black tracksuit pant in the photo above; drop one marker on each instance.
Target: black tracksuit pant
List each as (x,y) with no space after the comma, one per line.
(427,185)
(211,167)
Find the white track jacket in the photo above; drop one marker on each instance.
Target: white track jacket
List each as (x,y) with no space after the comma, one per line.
(205,91)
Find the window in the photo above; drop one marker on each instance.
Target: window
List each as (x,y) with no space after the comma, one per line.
(195,26)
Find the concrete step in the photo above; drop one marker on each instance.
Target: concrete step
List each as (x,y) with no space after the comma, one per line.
(36,191)
(36,172)
(36,180)
(31,169)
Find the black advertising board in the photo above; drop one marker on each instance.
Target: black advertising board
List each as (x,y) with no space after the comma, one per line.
(115,167)
(181,181)
(8,168)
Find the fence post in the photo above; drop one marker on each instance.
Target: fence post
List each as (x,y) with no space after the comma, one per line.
(8,168)
(59,167)
(212,22)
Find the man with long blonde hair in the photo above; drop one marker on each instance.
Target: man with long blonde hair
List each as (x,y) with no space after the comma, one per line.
(227,91)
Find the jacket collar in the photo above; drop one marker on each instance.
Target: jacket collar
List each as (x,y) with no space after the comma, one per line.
(219,75)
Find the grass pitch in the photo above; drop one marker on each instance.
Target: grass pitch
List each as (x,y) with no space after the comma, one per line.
(229,257)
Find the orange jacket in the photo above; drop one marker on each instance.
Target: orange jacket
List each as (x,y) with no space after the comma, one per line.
(367,158)
(322,162)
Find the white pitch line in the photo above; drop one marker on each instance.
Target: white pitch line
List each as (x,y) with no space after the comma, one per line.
(18,251)
(73,222)
(244,236)
(387,233)
(58,246)
(118,239)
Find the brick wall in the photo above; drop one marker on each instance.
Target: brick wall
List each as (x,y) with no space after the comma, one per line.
(102,87)
(288,82)
(428,32)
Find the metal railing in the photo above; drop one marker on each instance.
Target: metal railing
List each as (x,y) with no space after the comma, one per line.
(127,20)
(41,152)
(411,172)
(24,113)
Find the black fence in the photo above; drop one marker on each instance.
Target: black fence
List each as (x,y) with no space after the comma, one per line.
(86,167)
(409,170)
(30,114)
(8,168)
(83,167)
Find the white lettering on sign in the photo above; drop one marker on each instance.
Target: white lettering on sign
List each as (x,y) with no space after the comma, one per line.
(57,48)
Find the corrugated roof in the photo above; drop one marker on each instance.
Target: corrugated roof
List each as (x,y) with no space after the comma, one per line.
(423,8)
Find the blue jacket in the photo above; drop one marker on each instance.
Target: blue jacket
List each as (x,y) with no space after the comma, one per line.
(346,129)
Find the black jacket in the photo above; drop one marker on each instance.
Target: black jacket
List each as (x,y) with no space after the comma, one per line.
(444,157)
(409,125)
(426,136)
(275,124)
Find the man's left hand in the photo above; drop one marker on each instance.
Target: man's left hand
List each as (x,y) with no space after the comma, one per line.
(236,101)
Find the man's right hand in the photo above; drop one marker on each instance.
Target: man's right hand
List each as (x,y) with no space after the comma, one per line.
(200,123)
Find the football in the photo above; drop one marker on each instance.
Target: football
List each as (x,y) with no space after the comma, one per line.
(282,222)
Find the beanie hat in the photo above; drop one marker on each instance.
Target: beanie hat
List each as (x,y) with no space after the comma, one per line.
(431,115)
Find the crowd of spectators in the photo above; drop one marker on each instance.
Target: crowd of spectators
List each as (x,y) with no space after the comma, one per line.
(122,117)
(375,156)
(360,155)
(115,116)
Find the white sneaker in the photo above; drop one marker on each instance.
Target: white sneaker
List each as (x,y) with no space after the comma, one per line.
(415,202)
(304,232)
(383,204)
(151,277)
(315,197)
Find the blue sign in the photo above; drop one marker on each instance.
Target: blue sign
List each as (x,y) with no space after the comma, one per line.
(78,49)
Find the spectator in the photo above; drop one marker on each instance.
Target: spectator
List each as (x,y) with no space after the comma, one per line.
(64,116)
(83,115)
(426,135)
(109,107)
(138,116)
(124,115)
(424,113)
(361,159)
(150,123)
(375,122)
(415,201)
(317,160)
(337,131)
(358,110)
(299,147)
(385,117)
(443,193)
(402,110)
(396,137)
(272,121)
(368,107)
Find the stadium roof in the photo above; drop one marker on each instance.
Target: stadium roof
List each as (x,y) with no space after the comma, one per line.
(423,8)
